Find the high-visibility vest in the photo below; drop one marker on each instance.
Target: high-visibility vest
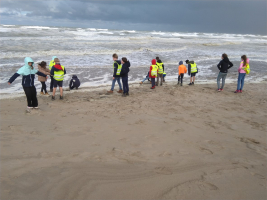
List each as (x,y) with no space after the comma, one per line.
(160,68)
(193,68)
(118,69)
(59,75)
(51,64)
(154,70)
(164,73)
(247,68)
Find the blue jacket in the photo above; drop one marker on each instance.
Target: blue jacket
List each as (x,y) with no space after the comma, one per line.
(75,82)
(28,74)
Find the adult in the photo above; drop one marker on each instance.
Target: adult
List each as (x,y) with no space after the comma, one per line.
(192,71)
(242,73)
(116,73)
(42,68)
(223,66)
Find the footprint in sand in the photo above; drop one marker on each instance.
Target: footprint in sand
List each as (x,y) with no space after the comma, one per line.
(163,170)
(206,151)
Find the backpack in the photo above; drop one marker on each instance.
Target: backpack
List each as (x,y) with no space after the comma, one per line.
(247,69)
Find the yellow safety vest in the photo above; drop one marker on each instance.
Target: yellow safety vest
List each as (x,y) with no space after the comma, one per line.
(164,73)
(119,68)
(246,69)
(160,68)
(51,64)
(193,68)
(154,70)
(59,75)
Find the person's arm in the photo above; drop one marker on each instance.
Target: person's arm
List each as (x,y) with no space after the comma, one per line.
(150,71)
(189,69)
(240,67)
(163,66)
(230,65)
(13,78)
(64,70)
(219,65)
(52,71)
(40,74)
(71,81)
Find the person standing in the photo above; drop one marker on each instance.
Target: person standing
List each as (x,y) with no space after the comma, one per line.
(160,71)
(116,73)
(28,75)
(51,64)
(124,75)
(42,68)
(223,66)
(58,71)
(192,70)
(244,65)
(181,71)
(153,72)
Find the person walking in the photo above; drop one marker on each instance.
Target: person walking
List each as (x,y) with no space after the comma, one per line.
(153,72)
(51,64)
(28,75)
(146,78)
(244,66)
(181,71)
(124,75)
(192,71)
(42,68)
(116,73)
(160,71)
(223,66)
(58,71)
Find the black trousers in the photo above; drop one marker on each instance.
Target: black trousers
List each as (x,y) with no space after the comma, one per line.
(125,84)
(180,78)
(43,87)
(51,83)
(72,87)
(31,96)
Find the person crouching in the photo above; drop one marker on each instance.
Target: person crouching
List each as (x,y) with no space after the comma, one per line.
(74,82)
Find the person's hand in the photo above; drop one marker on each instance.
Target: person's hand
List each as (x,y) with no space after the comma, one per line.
(113,78)
(9,83)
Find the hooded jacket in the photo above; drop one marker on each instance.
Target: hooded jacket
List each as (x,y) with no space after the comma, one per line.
(154,62)
(224,65)
(159,61)
(182,68)
(28,74)
(52,62)
(75,82)
(125,69)
(116,68)
(240,70)
(57,67)
(189,67)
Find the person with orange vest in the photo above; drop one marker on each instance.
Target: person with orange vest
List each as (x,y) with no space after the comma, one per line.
(153,72)
(181,71)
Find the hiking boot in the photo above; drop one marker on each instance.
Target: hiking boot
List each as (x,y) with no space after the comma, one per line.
(61,98)
(141,83)
(110,92)
(237,91)
(41,93)
(120,91)
(190,84)
(46,94)
(53,98)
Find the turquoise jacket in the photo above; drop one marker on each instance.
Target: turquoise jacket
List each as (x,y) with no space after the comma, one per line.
(26,69)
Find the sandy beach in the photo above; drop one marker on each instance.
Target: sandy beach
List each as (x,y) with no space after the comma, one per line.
(173,142)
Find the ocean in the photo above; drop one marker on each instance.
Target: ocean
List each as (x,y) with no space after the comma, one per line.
(87,53)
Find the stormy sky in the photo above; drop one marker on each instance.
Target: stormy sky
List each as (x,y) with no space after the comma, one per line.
(216,16)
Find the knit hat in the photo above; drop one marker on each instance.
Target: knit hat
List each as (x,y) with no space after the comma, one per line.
(181,62)
(56,60)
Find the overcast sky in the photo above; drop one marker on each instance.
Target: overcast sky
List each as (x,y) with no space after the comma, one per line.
(216,16)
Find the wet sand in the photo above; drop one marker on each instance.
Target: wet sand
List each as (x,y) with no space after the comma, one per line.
(170,143)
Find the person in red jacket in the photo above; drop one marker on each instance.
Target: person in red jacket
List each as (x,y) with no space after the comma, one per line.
(153,72)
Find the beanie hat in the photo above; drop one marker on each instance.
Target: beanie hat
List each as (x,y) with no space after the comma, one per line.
(181,62)
(56,60)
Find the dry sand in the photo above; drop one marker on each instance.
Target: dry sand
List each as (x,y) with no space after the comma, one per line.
(170,143)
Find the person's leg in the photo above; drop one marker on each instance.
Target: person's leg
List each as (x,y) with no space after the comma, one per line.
(161,77)
(238,81)
(242,80)
(34,97)
(194,77)
(51,83)
(71,87)
(179,78)
(127,85)
(219,80)
(44,87)
(191,79)
(119,82)
(123,84)
(157,83)
(27,91)
(113,83)
(144,79)
(153,82)
(61,91)
(182,76)
(223,79)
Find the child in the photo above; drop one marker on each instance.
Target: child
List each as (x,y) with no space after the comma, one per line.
(116,73)
(242,73)
(58,71)
(164,75)
(192,71)
(42,68)
(28,75)
(146,78)
(74,82)
(160,71)
(124,75)
(181,71)
(153,72)
(51,64)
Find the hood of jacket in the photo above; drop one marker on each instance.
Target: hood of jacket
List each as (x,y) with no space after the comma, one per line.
(74,76)
(181,62)
(127,64)
(58,67)
(154,62)
(26,69)
(159,61)
(54,57)
(226,60)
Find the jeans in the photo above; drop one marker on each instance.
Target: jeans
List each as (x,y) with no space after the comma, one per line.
(240,80)
(125,84)
(219,77)
(153,82)
(180,78)
(43,87)
(118,79)
(145,79)
(31,96)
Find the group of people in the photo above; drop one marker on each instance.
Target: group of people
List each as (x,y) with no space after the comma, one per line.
(121,68)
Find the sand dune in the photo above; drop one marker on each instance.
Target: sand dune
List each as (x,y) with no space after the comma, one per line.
(170,143)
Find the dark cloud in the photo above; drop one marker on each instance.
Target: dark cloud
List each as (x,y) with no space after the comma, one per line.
(197,16)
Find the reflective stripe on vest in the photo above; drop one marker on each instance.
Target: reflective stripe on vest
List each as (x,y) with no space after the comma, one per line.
(51,64)
(59,75)
(160,68)
(154,70)
(118,69)
(193,68)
